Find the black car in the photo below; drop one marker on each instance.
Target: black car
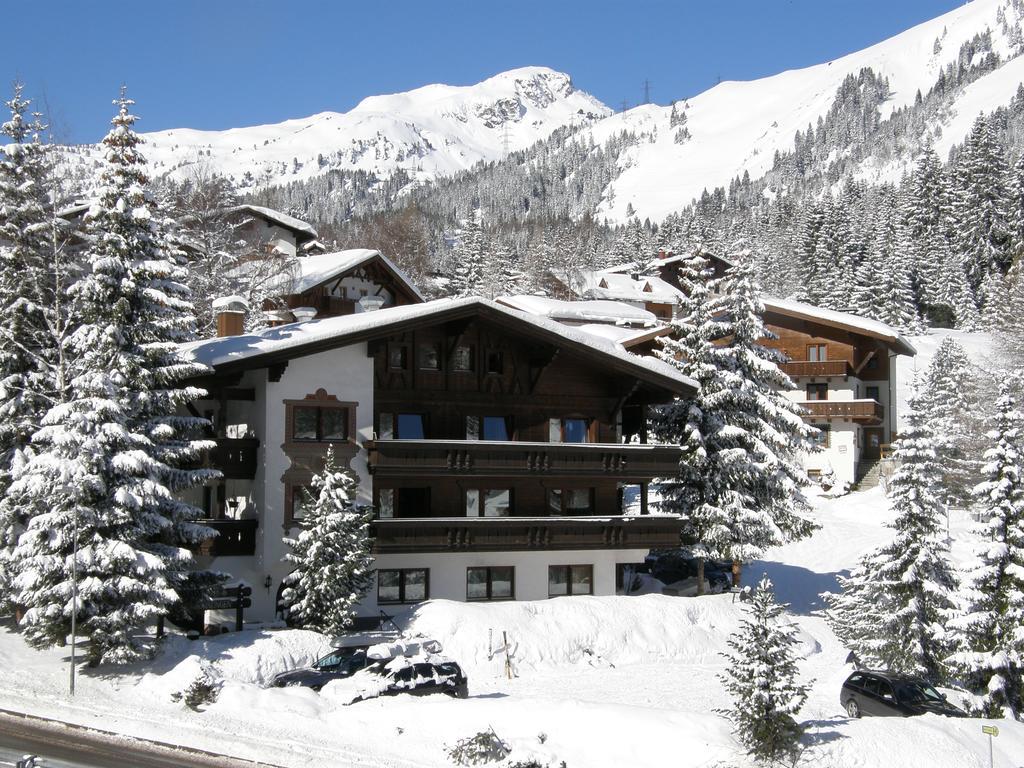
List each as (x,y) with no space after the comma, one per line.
(339,664)
(887,695)
(419,678)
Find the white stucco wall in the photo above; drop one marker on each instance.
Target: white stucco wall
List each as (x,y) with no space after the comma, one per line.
(841,455)
(448,571)
(259,233)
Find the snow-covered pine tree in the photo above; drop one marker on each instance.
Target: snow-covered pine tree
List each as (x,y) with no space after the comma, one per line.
(762,679)
(469,259)
(331,554)
(28,349)
(948,400)
(109,460)
(989,630)
(741,483)
(907,585)
(980,211)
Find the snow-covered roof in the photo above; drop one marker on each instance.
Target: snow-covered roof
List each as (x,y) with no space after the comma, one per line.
(294,339)
(581,311)
(849,322)
(307,272)
(282,219)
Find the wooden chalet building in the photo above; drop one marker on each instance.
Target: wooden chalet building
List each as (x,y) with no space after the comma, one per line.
(844,365)
(504,454)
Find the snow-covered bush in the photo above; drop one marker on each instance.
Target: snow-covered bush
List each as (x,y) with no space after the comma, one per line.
(483,747)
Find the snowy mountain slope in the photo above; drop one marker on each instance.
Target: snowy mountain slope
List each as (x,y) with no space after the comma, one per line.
(430,131)
(739,126)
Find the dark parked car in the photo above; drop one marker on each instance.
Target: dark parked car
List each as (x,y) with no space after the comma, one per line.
(338,664)
(883,694)
(419,678)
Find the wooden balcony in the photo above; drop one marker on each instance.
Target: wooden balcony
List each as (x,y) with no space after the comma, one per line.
(401,458)
(234,537)
(499,534)
(862,411)
(819,369)
(236,457)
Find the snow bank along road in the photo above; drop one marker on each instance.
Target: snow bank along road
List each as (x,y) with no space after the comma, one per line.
(62,746)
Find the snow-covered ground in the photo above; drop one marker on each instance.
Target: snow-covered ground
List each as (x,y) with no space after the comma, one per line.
(623,681)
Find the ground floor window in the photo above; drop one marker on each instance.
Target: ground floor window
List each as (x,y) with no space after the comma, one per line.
(493,582)
(402,585)
(570,580)
(820,438)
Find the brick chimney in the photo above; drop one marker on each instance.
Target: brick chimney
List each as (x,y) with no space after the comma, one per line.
(230,312)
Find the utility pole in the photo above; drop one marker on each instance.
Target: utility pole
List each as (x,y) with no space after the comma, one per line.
(625,105)
(647,91)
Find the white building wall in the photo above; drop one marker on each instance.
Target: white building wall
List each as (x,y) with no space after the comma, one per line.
(448,571)
(261,233)
(841,455)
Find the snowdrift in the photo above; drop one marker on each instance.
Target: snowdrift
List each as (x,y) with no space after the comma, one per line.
(585,631)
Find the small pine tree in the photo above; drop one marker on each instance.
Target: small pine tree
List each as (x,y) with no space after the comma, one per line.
(331,555)
(988,632)
(894,605)
(762,680)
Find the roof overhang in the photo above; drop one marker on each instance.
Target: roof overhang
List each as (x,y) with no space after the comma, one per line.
(844,321)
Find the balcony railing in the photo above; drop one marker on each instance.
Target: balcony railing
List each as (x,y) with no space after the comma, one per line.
(490,534)
(392,458)
(236,457)
(234,537)
(823,368)
(868,411)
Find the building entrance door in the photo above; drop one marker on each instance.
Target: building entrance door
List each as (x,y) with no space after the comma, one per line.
(873,443)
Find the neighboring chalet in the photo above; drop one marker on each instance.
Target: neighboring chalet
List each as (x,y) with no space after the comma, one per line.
(504,454)
(273,231)
(341,283)
(843,364)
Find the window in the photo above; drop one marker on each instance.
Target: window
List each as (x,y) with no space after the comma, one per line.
(429,356)
(871,392)
(386,502)
(488,428)
(403,426)
(817,391)
(398,357)
(573,430)
(495,361)
(411,426)
(570,580)
(817,353)
(496,502)
(572,501)
(821,437)
(494,582)
(300,501)
(495,428)
(403,502)
(319,424)
(463,359)
(403,585)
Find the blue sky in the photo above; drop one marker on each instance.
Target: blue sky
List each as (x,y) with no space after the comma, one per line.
(218,64)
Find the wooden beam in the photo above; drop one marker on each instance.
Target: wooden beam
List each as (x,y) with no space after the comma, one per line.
(864,362)
(540,363)
(276,371)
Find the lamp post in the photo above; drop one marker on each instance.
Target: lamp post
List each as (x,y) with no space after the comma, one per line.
(74,595)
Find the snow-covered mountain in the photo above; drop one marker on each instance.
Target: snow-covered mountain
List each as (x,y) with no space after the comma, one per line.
(739,126)
(430,131)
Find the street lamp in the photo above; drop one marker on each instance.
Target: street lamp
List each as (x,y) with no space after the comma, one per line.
(74,595)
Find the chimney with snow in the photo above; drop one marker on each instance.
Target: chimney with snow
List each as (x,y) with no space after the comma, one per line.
(302,314)
(371,303)
(230,312)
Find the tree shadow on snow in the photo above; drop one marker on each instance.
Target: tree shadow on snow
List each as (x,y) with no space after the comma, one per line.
(820,732)
(798,586)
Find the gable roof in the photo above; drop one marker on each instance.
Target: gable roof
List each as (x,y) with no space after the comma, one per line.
(303,231)
(580,311)
(276,345)
(857,324)
(313,271)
